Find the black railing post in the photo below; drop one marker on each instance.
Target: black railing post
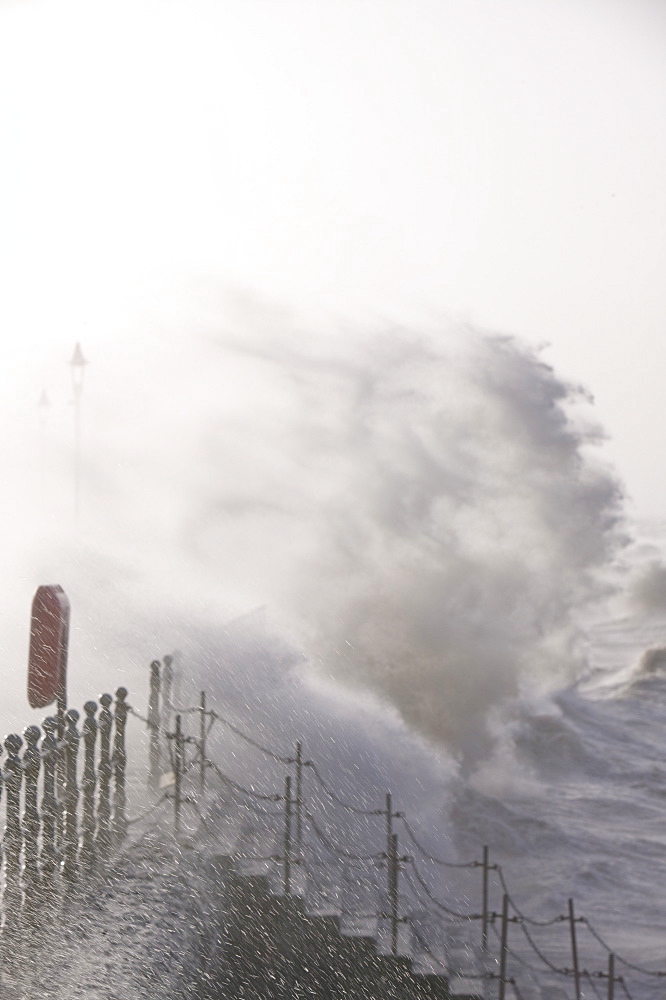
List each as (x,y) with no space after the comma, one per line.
(71,834)
(390,816)
(287,837)
(104,772)
(13,776)
(49,856)
(119,823)
(176,681)
(574,949)
(31,820)
(611,976)
(392,872)
(60,779)
(392,869)
(167,691)
(484,901)
(178,775)
(389,821)
(503,946)
(153,724)
(203,728)
(299,799)
(89,784)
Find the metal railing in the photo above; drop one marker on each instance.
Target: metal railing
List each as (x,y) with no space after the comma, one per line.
(305,835)
(63,816)
(65,805)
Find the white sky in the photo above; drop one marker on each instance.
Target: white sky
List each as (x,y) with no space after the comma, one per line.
(496,161)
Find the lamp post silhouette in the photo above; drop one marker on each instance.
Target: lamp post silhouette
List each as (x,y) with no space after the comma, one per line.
(77,364)
(43,410)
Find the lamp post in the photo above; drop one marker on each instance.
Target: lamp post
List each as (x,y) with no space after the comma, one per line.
(43,410)
(77,364)
(43,403)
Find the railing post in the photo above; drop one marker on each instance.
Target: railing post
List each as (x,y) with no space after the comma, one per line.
(105,772)
(49,856)
(389,821)
(154,767)
(177,774)
(203,728)
(611,976)
(61,708)
(13,776)
(71,833)
(176,681)
(484,901)
(89,784)
(503,946)
(392,873)
(574,949)
(299,799)
(287,836)
(31,819)
(167,691)
(120,768)
(392,870)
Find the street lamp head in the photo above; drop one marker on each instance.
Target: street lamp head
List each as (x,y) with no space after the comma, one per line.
(77,365)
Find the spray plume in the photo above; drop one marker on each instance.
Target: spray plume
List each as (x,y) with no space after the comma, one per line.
(422,514)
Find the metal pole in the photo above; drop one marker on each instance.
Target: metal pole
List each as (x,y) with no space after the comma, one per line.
(389,820)
(503,946)
(176,679)
(392,866)
(77,365)
(43,406)
(299,797)
(611,976)
(287,835)
(484,902)
(77,452)
(178,769)
(167,685)
(574,949)
(153,725)
(202,737)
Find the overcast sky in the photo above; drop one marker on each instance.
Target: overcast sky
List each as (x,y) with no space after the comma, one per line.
(494,162)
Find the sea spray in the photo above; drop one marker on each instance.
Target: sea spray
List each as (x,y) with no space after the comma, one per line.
(421,512)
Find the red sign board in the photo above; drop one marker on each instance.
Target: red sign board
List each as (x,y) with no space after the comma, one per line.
(49,636)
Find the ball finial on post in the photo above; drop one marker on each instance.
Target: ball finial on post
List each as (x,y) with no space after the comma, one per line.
(154,726)
(89,783)
(31,818)
(105,772)
(13,777)
(49,855)
(71,834)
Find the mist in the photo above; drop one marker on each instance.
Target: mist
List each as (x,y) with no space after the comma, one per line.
(422,513)
(647,590)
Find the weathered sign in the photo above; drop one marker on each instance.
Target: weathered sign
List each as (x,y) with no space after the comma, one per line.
(49,636)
